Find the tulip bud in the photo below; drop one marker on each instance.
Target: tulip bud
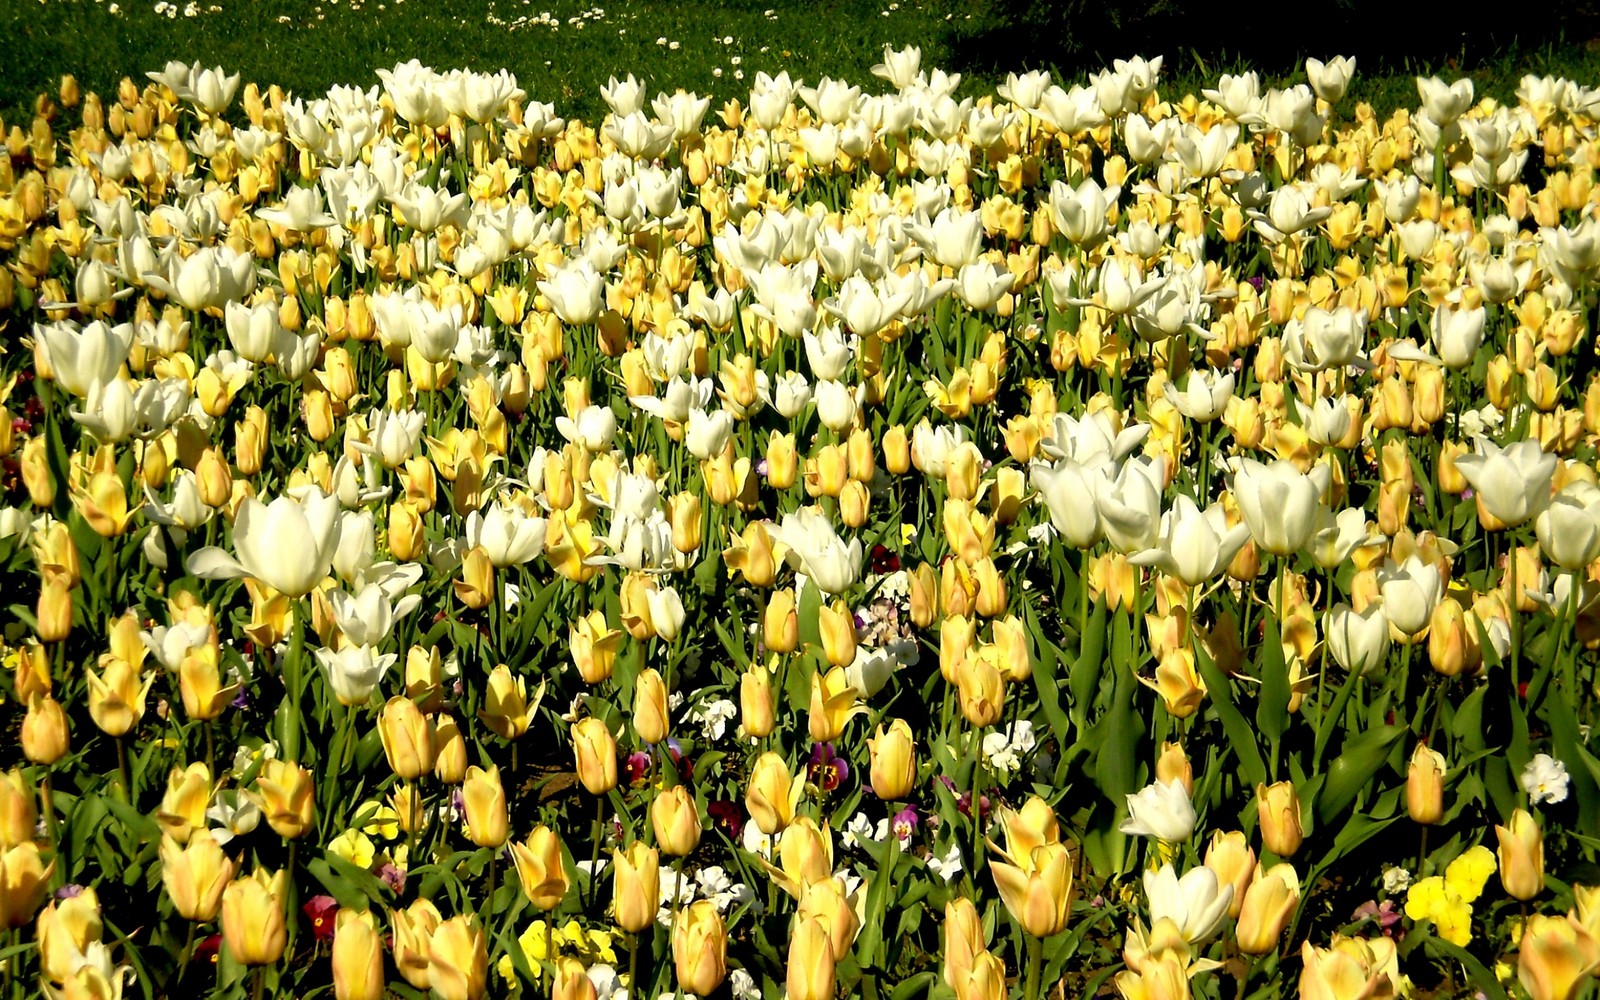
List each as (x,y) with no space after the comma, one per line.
(44,730)
(781,625)
(837,625)
(897,450)
(676,821)
(684,512)
(700,948)
(1279,815)
(1521,856)
(1452,648)
(924,596)
(894,761)
(1425,785)
(595,751)
(981,691)
(357,957)
(782,461)
(488,817)
(540,869)
(405,534)
(771,794)
(18,817)
(757,711)
(593,646)
(637,892)
(963,941)
(407,738)
(450,751)
(54,611)
(1268,904)
(572,981)
(505,706)
(458,959)
(476,588)
(1234,862)
(855,504)
(811,963)
(1173,765)
(650,720)
(252,918)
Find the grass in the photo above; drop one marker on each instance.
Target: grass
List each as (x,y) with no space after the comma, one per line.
(308,45)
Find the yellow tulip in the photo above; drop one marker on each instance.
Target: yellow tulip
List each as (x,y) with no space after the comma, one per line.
(183,808)
(595,755)
(676,821)
(811,962)
(833,701)
(637,892)
(771,794)
(357,957)
(65,930)
(700,948)
(458,959)
(1268,905)
(1521,856)
(18,816)
(506,708)
(252,918)
(413,936)
(540,868)
(1556,955)
(650,719)
(407,737)
(1279,815)
(1039,898)
(894,761)
(484,798)
(287,798)
(24,880)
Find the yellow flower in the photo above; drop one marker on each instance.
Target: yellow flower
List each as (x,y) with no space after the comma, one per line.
(1434,899)
(1467,874)
(379,820)
(355,847)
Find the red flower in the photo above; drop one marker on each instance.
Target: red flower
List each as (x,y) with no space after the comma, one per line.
(320,910)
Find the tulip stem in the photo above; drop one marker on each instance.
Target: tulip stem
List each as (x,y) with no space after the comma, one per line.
(594,849)
(211,747)
(124,781)
(1422,851)
(47,801)
(185,955)
(1035,962)
(488,899)
(290,671)
(633,963)
(976,805)
(258,988)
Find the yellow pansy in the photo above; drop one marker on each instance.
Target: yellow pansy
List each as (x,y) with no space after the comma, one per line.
(378,820)
(355,847)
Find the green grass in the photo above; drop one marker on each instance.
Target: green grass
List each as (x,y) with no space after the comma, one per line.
(308,45)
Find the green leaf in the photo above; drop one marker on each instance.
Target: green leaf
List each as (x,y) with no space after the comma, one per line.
(1241,738)
(1359,759)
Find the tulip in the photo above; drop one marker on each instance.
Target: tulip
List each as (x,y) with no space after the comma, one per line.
(1521,856)
(66,930)
(407,737)
(117,696)
(286,796)
(1193,546)
(1555,957)
(1279,814)
(413,936)
(458,959)
(1410,591)
(772,794)
(757,710)
(1173,765)
(1268,905)
(1040,897)
(781,623)
(287,544)
(650,718)
(450,757)
(195,875)
(811,963)
(833,702)
(24,881)
(700,948)
(1513,484)
(540,868)
(819,553)
(252,918)
(1569,526)
(595,750)
(1425,785)
(1332,78)
(1348,971)
(837,625)
(44,730)
(676,821)
(637,893)
(1279,503)
(1231,857)
(357,957)
(1160,810)
(488,817)
(981,691)
(825,902)
(506,709)
(572,981)
(18,816)
(1197,904)
(1359,642)
(963,940)
(894,761)
(183,807)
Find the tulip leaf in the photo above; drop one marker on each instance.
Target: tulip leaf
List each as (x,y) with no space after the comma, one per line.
(1047,662)
(1240,736)
(1084,679)
(1488,986)
(1272,710)
(1359,759)
(914,986)
(1467,726)
(338,887)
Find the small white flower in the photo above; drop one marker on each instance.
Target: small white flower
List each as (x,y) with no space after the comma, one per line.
(714,718)
(756,842)
(949,866)
(743,985)
(1396,880)
(1545,779)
